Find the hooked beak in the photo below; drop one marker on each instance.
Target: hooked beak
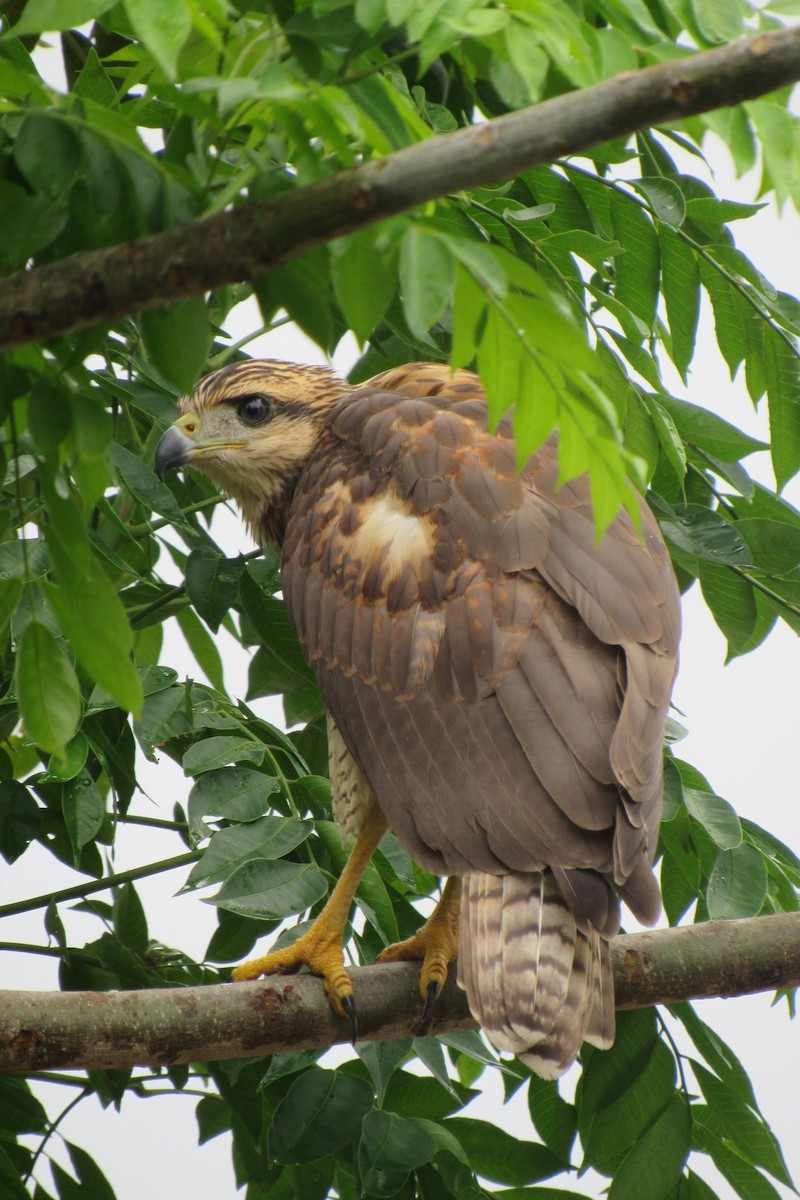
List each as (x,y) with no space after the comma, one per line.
(176,447)
(185,440)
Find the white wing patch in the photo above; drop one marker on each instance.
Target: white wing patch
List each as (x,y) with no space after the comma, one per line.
(394,535)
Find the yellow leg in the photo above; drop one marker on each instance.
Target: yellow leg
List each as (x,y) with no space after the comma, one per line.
(320,947)
(436,943)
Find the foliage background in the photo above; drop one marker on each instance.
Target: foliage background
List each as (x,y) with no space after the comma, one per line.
(83,415)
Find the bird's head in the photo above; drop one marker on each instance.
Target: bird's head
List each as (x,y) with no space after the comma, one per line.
(252,427)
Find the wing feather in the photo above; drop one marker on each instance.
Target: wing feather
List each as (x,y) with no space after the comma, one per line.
(500,676)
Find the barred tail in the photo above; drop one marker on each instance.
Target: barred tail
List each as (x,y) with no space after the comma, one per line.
(536,983)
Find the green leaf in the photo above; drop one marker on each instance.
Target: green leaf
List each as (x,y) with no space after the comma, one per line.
(608,1075)
(94,83)
(202,646)
(669,439)
(233,793)
(777,131)
(728,323)
(270,890)
(427,278)
(637,270)
(20,1111)
(680,282)
(664,197)
(321,1113)
(301,287)
(719,21)
(101,645)
(541,1193)
(716,816)
(772,848)
(47,690)
(10,1178)
(732,1119)
(60,770)
(278,665)
(775,545)
(495,1154)
(48,154)
(732,601)
(419,1097)
(20,819)
(391,1147)
(737,886)
(211,583)
(130,922)
(717,1054)
(709,432)
(658,1156)
(553,1118)
(469,306)
(375,902)
(177,336)
(363,279)
(705,534)
(10,593)
(84,810)
(162,27)
(93,1182)
(708,210)
(608,1137)
(381,1059)
(592,249)
(211,753)
(536,212)
(49,416)
(673,790)
(430,1052)
(680,868)
(267,837)
(746,1180)
(692,1187)
(91,426)
(782,370)
(144,485)
(485,266)
(44,16)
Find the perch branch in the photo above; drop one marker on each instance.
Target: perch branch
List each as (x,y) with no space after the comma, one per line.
(45,1030)
(251,238)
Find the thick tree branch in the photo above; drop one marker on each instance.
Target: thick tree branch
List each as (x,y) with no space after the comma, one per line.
(40,1030)
(250,239)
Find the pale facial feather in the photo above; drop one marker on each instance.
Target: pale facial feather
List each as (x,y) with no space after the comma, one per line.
(253,464)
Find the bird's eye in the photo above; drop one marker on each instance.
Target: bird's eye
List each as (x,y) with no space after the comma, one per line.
(254,410)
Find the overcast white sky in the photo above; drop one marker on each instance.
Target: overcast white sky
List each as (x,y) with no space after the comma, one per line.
(743,731)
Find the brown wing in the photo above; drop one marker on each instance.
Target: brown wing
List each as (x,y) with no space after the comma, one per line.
(501,679)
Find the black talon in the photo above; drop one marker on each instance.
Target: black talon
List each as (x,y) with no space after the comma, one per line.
(434,991)
(349,1006)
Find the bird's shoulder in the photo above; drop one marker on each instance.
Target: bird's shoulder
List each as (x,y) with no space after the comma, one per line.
(414,540)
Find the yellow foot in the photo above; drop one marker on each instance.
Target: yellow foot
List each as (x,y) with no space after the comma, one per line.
(319,949)
(436,943)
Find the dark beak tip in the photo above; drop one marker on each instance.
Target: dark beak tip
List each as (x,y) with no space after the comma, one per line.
(173,450)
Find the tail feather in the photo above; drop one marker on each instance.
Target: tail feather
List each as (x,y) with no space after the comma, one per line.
(537,984)
(488,965)
(601,1024)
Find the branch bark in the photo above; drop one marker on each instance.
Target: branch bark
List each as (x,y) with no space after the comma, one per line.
(43,1030)
(252,238)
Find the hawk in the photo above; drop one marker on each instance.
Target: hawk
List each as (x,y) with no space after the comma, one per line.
(496,680)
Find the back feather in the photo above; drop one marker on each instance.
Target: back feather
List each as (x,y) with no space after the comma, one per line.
(537,984)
